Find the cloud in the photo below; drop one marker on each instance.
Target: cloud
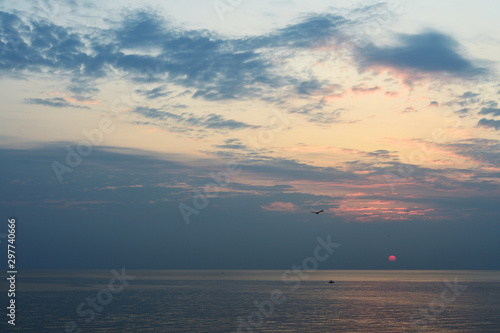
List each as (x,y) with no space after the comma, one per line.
(466,99)
(433,104)
(483,152)
(212,121)
(409,110)
(428,52)
(232,144)
(217,68)
(143,29)
(309,87)
(362,88)
(354,153)
(494,111)
(166,180)
(145,48)
(469,95)
(326,116)
(319,112)
(280,207)
(54,102)
(382,153)
(154,93)
(41,44)
(490,104)
(463,112)
(314,31)
(218,122)
(82,86)
(155,113)
(489,123)
(196,59)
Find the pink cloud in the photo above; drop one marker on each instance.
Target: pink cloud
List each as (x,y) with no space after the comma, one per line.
(357,209)
(280,207)
(358,194)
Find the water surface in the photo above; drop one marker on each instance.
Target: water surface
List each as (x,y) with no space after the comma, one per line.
(259,301)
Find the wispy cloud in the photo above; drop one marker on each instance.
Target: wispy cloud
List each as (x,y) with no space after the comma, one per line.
(232,144)
(155,92)
(56,102)
(212,121)
(362,88)
(409,109)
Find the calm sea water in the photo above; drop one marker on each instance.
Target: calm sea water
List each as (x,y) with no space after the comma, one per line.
(257,301)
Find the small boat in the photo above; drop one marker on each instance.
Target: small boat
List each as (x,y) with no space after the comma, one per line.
(331,281)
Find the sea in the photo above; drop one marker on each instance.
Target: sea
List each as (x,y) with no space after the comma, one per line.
(122,300)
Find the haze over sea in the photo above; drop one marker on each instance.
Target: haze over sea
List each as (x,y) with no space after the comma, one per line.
(259,301)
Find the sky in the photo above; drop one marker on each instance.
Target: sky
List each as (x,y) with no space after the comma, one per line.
(201,134)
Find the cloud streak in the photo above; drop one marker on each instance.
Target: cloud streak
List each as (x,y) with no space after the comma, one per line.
(210,121)
(56,102)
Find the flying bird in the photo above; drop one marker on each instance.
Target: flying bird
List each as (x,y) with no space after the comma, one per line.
(319,211)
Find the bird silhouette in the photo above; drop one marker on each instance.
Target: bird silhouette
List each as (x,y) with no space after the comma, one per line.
(317,212)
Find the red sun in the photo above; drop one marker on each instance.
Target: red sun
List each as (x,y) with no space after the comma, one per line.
(392,258)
